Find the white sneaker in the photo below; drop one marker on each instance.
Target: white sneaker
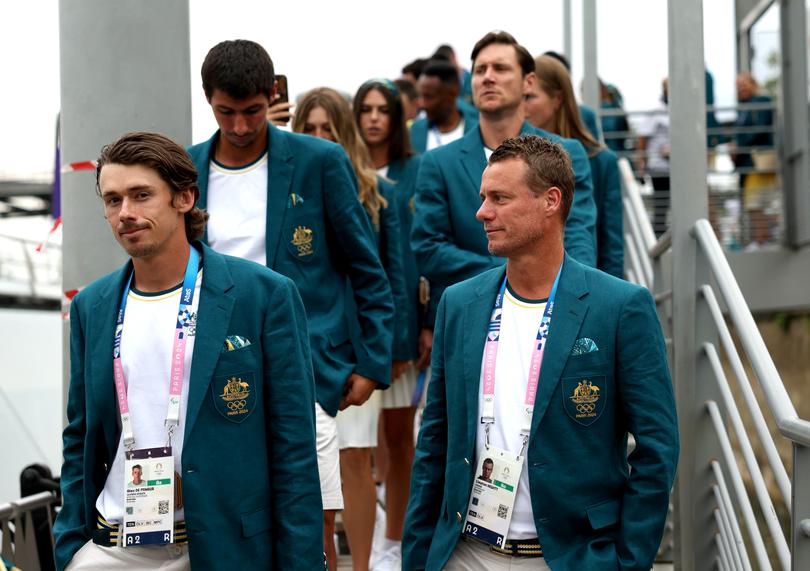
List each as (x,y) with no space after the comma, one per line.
(378,539)
(389,560)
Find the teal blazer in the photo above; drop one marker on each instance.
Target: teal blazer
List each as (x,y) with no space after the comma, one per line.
(389,243)
(311,184)
(401,188)
(420,127)
(450,244)
(607,193)
(251,485)
(595,508)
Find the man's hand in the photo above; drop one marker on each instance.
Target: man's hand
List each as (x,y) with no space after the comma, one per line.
(279,113)
(425,348)
(397,368)
(357,390)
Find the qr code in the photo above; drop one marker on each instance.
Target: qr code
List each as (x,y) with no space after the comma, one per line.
(163,507)
(502,511)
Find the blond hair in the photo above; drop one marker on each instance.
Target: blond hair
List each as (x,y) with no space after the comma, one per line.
(341,121)
(555,80)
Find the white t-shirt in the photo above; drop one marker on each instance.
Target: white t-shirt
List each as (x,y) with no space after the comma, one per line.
(146,354)
(237,203)
(383,171)
(488,152)
(519,323)
(436,138)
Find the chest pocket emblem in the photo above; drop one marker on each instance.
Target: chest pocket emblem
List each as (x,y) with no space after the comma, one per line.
(237,399)
(302,240)
(585,398)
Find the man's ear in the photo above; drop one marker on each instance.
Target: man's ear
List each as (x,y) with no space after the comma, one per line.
(529,81)
(184,200)
(553,200)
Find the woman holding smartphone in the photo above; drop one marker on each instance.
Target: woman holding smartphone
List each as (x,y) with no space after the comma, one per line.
(326,114)
(550,105)
(379,114)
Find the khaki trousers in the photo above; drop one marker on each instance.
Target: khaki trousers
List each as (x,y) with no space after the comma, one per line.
(92,557)
(471,555)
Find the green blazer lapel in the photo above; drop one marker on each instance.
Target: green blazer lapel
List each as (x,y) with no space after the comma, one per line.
(280,168)
(213,318)
(472,157)
(475,325)
(99,381)
(566,320)
(203,169)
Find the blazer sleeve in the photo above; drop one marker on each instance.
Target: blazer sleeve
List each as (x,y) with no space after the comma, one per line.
(358,251)
(70,530)
(610,227)
(430,460)
(648,404)
(290,405)
(391,254)
(438,257)
(580,228)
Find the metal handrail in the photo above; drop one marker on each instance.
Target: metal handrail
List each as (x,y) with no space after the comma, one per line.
(629,179)
(739,487)
(761,427)
(729,509)
(760,488)
(663,244)
(776,396)
(28,503)
(730,551)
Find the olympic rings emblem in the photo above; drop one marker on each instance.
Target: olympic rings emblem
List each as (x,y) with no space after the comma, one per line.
(237,405)
(586,408)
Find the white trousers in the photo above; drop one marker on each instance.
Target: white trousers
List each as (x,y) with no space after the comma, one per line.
(92,557)
(475,556)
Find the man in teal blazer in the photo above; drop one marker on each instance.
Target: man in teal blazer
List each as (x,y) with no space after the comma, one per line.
(249,482)
(311,190)
(450,245)
(594,508)
(445,113)
(310,184)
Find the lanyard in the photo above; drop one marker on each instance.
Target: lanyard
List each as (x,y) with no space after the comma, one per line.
(178,354)
(491,356)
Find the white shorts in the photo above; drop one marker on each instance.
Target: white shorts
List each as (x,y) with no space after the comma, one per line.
(328,459)
(357,425)
(400,393)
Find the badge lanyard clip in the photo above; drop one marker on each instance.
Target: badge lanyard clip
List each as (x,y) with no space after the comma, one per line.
(491,356)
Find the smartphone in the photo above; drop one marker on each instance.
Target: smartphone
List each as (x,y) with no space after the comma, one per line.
(283,94)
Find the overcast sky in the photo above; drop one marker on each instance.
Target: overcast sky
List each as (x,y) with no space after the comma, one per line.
(341,44)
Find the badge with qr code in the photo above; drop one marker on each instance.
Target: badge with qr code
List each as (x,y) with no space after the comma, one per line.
(148,497)
(493,494)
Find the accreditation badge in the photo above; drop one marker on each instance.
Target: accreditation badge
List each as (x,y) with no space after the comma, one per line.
(493,495)
(148,497)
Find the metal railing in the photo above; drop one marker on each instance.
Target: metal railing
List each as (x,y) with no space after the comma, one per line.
(17,530)
(745,202)
(739,511)
(26,272)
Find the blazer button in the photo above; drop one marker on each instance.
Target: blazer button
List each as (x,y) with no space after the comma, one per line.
(458,516)
(467,461)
